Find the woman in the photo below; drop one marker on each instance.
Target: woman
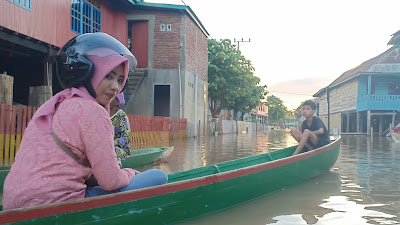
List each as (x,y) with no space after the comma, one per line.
(122,130)
(70,137)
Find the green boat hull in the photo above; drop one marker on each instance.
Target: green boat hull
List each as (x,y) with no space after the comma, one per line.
(188,194)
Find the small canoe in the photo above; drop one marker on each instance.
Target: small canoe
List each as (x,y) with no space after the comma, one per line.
(140,157)
(395,136)
(190,193)
(147,156)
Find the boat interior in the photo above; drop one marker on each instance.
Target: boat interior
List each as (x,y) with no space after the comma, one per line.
(231,165)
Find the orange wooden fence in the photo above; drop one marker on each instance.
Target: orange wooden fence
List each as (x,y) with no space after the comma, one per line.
(145,129)
(13,121)
(178,129)
(149,129)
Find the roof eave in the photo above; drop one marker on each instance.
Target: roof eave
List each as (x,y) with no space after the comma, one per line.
(343,81)
(181,8)
(197,21)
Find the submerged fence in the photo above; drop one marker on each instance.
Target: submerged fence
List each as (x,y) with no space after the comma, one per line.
(13,121)
(145,130)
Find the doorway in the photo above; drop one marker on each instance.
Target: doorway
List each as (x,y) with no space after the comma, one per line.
(139,34)
(161,100)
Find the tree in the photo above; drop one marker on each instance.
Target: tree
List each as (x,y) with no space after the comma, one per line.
(231,81)
(276,110)
(291,113)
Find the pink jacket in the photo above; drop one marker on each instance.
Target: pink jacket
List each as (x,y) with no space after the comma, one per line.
(43,173)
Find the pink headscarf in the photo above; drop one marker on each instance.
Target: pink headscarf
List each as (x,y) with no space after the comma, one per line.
(43,117)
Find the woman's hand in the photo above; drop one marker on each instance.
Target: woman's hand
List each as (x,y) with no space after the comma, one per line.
(115,143)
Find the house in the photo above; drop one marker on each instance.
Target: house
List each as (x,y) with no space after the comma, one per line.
(260,113)
(31,32)
(365,97)
(170,44)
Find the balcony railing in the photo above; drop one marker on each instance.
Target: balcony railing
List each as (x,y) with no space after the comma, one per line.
(378,102)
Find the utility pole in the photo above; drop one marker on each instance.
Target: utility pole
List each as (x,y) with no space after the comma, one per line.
(240,41)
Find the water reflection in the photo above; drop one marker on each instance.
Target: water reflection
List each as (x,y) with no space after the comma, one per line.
(362,188)
(194,153)
(299,200)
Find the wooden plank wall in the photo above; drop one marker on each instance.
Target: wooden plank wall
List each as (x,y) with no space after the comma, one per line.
(6,88)
(145,130)
(48,15)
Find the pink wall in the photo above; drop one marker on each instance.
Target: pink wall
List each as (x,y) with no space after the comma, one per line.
(49,21)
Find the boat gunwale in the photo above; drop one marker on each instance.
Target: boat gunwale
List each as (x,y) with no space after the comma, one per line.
(161,149)
(52,209)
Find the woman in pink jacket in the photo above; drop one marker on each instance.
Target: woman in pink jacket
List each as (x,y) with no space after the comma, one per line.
(70,137)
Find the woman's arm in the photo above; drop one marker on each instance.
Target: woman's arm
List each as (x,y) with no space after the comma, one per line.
(99,146)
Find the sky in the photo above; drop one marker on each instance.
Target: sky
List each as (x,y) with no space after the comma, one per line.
(298,47)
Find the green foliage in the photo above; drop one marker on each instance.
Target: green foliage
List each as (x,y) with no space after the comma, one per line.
(231,80)
(276,110)
(291,113)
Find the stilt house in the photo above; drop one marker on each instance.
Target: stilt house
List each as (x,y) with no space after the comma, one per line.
(365,97)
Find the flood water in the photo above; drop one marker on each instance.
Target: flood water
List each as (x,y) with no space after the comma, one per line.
(363,187)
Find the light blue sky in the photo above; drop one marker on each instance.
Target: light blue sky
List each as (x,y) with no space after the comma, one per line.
(297,46)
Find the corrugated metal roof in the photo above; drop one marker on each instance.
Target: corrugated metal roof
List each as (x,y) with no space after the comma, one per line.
(363,67)
(384,63)
(395,40)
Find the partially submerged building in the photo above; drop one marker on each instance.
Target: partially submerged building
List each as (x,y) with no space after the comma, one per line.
(169,42)
(365,97)
(31,32)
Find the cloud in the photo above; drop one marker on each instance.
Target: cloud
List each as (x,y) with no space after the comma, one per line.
(293,92)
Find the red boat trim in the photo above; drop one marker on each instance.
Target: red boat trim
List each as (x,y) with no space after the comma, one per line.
(111,199)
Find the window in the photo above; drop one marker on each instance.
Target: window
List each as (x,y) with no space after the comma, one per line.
(394,88)
(85,16)
(26,4)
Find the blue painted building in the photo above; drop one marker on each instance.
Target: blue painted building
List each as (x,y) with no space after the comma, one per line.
(365,97)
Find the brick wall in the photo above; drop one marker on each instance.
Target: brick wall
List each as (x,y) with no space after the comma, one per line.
(167,43)
(196,50)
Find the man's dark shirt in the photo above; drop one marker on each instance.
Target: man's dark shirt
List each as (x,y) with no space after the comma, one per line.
(323,139)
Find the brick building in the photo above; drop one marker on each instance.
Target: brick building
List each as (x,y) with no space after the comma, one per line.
(170,44)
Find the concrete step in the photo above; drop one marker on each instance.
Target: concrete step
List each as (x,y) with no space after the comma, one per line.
(134,80)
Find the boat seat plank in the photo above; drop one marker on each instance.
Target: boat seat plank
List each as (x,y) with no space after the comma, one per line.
(216,167)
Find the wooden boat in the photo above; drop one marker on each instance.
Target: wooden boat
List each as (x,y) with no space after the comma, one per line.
(147,156)
(138,158)
(188,194)
(395,136)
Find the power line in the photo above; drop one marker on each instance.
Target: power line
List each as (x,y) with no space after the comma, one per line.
(240,41)
(282,92)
